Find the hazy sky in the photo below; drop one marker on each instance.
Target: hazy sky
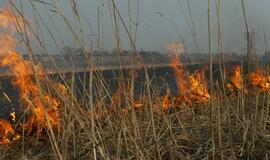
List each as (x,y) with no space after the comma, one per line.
(154,31)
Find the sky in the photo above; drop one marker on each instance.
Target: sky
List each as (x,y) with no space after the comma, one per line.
(159,22)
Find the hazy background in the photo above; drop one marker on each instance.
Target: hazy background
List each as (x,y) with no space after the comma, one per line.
(154,31)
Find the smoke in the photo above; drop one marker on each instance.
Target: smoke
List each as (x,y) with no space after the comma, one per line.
(153,32)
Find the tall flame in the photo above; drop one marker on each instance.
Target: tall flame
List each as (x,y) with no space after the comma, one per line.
(237,81)
(31,95)
(192,88)
(198,87)
(180,75)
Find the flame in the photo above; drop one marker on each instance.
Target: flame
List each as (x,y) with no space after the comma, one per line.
(166,100)
(10,21)
(43,108)
(179,74)
(7,134)
(260,80)
(137,105)
(237,81)
(230,87)
(193,88)
(198,88)
(5,131)
(38,119)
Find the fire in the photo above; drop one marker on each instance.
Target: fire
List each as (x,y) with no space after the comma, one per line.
(198,88)
(237,81)
(179,73)
(257,79)
(10,21)
(192,88)
(44,109)
(166,100)
(260,80)
(38,119)
(137,104)
(5,131)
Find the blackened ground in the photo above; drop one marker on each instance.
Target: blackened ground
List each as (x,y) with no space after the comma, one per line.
(161,78)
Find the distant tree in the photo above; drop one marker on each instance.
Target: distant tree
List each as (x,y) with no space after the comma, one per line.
(67,50)
(114,52)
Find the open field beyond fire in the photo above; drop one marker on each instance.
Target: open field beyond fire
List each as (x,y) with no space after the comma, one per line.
(218,111)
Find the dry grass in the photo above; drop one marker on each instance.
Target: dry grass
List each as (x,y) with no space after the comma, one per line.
(244,128)
(237,127)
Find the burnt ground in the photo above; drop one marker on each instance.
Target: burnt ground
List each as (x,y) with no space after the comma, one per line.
(162,78)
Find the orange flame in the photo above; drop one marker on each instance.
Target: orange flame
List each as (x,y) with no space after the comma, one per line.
(237,81)
(193,88)
(198,88)
(166,100)
(5,131)
(10,21)
(30,93)
(260,80)
(179,73)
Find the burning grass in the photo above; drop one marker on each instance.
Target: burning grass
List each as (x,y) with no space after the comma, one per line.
(55,123)
(28,79)
(241,131)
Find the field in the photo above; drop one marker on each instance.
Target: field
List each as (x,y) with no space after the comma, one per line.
(220,110)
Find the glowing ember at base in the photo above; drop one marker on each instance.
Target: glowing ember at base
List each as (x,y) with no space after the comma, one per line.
(7,134)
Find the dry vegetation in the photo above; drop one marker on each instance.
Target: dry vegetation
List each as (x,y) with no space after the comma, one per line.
(228,121)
